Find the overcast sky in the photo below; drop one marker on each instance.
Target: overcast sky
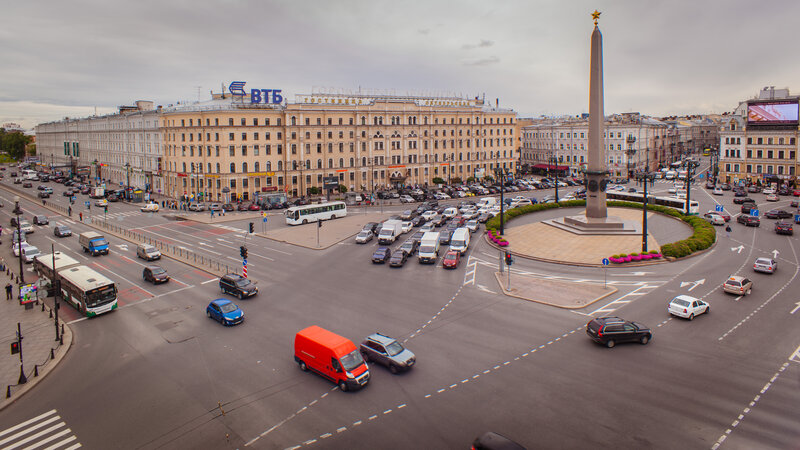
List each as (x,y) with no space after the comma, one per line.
(66,58)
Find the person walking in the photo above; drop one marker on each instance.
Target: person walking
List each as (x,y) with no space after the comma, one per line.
(69,211)
(80,215)
(9,288)
(728,230)
(212,214)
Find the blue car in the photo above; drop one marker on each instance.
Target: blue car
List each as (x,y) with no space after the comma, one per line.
(381,255)
(225,312)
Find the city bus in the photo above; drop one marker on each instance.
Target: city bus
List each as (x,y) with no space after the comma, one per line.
(297,215)
(670,202)
(88,291)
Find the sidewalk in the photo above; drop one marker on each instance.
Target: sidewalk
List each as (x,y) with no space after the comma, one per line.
(38,342)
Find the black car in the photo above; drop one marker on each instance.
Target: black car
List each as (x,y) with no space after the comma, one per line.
(237,285)
(784,227)
(113,198)
(44,194)
(726,187)
(27,184)
(747,207)
(739,200)
(67,193)
(612,330)
(410,246)
(777,214)
(381,255)
(748,220)
(739,193)
(40,220)
(439,220)
(418,221)
(398,258)
(41,187)
(62,231)
(227,207)
(155,274)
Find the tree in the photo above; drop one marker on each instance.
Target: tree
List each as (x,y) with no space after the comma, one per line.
(488,178)
(342,189)
(14,143)
(438,180)
(313,190)
(455,180)
(471,180)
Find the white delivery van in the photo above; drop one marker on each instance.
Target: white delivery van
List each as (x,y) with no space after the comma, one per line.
(460,240)
(429,247)
(389,231)
(486,202)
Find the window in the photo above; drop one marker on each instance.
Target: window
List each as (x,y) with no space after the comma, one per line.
(244,167)
(231,151)
(244,150)
(233,168)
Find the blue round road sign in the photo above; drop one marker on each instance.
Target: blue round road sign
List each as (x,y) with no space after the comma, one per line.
(605,261)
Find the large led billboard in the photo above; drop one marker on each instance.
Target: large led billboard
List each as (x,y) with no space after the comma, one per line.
(772,113)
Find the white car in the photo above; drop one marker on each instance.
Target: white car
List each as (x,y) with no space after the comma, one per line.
(766,265)
(428,215)
(718,191)
(25,226)
(150,207)
(687,307)
(449,213)
(101,202)
(30,252)
(429,226)
(406,226)
(406,199)
(472,225)
(714,219)
(768,191)
(522,202)
(672,190)
(24,246)
(364,236)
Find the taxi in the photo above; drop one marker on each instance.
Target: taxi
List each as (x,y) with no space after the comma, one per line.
(737,285)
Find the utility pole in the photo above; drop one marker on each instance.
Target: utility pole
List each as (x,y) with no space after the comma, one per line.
(56,287)
(644,203)
(17,211)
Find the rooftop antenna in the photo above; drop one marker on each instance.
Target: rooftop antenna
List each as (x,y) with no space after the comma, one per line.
(198,93)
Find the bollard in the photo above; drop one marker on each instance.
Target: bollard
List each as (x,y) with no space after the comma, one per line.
(8,392)
(36,370)
(52,354)
(61,338)
(51,313)
(42,306)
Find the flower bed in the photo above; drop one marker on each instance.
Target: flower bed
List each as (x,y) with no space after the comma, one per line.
(633,257)
(703,237)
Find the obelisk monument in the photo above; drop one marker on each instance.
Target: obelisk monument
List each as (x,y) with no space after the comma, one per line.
(596,170)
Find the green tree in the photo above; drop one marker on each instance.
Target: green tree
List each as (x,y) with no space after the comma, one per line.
(342,189)
(455,180)
(313,190)
(471,180)
(14,143)
(438,180)
(488,178)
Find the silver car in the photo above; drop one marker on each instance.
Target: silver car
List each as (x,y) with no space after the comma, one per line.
(765,265)
(364,236)
(388,352)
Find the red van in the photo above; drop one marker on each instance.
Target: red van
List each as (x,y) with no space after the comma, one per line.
(332,356)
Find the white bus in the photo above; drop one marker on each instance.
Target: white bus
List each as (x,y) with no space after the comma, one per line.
(28,174)
(297,215)
(88,291)
(671,202)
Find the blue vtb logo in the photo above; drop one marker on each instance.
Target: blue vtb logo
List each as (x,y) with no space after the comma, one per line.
(256,95)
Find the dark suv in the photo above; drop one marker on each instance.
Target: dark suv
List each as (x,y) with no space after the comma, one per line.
(388,352)
(748,220)
(237,285)
(611,330)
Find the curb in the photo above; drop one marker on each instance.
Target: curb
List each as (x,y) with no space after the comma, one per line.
(499,277)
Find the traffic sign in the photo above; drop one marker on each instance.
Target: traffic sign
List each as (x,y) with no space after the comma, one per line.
(244,261)
(605,261)
(265,219)
(718,208)
(86,203)
(797,218)
(754,212)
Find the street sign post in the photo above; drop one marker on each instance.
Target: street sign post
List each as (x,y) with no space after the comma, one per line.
(754,212)
(718,208)
(605,276)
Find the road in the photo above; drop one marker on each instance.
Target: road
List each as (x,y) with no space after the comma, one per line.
(158,374)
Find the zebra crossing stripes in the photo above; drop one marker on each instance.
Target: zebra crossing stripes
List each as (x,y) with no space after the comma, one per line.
(44,429)
(230,228)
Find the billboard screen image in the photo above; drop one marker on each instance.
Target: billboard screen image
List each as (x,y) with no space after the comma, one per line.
(772,113)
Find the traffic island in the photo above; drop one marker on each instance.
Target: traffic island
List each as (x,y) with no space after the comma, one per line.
(558,293)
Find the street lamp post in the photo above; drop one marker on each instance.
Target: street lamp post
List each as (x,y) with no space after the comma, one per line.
(630,152)
(552,163)
(644,203)
(128,183)
(56,287)
(18,212)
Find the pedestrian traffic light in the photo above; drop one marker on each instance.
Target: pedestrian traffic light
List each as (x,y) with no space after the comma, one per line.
(252,227)
(105,208)
(14,347)
(243,251)
(509,259)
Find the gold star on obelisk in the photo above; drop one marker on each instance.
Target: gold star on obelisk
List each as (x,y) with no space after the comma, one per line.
(596,16)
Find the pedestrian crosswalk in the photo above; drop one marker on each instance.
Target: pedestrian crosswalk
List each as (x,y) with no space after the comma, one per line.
(43,430)
(230,228)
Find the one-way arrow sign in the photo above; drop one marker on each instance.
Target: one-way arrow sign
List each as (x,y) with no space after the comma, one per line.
(775,254)
(737,249)
(693,283)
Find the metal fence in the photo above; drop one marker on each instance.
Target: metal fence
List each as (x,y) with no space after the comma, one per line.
(176,252)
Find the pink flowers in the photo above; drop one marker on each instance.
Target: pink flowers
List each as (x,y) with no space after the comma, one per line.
(623,258)
(496,238)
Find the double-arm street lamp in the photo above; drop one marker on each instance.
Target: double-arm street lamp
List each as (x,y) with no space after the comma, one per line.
(18,212)
(645,177)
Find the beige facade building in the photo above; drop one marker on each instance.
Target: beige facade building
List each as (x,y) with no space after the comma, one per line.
(759,151)
(228,148)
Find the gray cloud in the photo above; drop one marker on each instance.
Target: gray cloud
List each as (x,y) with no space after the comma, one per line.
(687,57)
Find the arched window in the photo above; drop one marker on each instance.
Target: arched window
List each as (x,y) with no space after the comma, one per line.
(363,120)
(208,168)
(341,162)
(233,168)
(255,167)
(268,166)
(436,158)
(244,167)
(280,165)
(217,167)
(351,162)
(330,163)
(184,167)
(294,120)
(308,164)
(319,164)
(363,161)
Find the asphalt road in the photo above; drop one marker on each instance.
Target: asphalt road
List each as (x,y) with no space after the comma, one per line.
(158,374)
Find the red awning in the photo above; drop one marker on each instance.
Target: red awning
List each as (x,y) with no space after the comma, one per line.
(550,167)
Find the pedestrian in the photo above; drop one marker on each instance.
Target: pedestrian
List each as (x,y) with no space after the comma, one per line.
(728,231)
(9,288)
(69,210)
(223,212)
(212,214)
(80,215)
(44,202)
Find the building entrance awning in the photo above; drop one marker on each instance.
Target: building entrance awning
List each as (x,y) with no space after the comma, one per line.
(550,167)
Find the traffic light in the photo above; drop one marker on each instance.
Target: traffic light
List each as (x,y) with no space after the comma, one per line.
(509,259)
(105,208)
(14,347)
(243,252)
(252,227)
